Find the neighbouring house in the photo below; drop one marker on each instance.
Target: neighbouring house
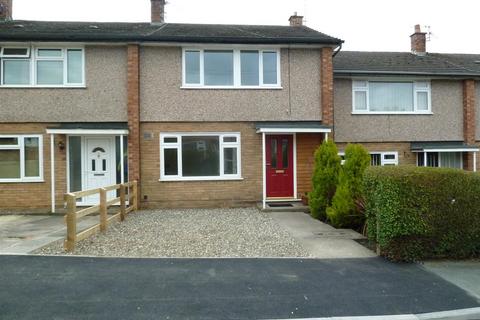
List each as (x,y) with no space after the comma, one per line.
(200,115)
(416,108)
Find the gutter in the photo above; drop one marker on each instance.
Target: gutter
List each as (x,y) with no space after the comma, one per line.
(411,73)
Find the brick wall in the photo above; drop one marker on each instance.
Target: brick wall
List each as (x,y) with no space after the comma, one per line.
(201,193)
(35,197)
(307,143)
(133,111)
(326,83)
(469,120)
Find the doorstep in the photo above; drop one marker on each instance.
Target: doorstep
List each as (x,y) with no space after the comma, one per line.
(284,206)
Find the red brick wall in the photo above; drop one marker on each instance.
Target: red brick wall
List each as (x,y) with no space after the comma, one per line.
(327,86)
(133,111)
(307,143)
(469,121)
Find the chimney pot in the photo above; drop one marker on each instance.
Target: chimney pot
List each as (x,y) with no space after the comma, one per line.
(296,20)
(6,7)
(418,41)
(157,11)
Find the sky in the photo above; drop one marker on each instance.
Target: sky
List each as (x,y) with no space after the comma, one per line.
(366,25)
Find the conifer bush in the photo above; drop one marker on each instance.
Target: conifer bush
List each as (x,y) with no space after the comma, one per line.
(325,179)
(343,212)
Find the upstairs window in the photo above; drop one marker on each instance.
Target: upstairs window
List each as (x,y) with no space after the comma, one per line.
(231,68)
(391,97)
(55,67)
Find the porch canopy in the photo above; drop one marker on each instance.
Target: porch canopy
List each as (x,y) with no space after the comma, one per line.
(83,129)
(90,128)
(292,127)
(445,146)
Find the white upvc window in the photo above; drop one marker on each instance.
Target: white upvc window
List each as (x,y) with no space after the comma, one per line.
(378,158)
(383,158)
(40,66)
(21,158)
(391,97)
(200,156)
(231,68)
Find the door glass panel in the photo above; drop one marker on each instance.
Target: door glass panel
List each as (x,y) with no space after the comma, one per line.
(93,164)
(104,165)
(75,163)
(9,164)
(285,153)
(273,153)
(230,160)
(170,157)
(32,159)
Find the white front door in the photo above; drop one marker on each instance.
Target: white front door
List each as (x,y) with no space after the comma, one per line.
(99,165)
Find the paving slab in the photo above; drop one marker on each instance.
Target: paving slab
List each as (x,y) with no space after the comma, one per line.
(22,234)
(465,274)
(39,287)
(321,239)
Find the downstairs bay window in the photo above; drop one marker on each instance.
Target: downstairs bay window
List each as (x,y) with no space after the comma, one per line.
(391,97)
(202,156)
(440,159)
(21,158)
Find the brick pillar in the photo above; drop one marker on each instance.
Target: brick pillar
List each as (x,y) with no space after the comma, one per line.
(468,120)
(133,112)
(6,8)
(326,84)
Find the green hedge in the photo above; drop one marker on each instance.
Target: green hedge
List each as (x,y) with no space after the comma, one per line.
(417,213)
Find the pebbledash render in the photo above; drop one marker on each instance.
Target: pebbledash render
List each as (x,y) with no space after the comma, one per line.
(214,115)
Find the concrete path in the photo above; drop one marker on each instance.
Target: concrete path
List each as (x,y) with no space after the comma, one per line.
(38,287)
(23,234)
(465,274)
(320,239)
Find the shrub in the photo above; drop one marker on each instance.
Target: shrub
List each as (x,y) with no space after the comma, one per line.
(325,179)
(415,213)
(344,212)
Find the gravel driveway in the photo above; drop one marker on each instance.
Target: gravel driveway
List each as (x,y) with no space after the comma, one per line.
(239,232)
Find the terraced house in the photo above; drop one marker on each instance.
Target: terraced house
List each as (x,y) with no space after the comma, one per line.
(213,115)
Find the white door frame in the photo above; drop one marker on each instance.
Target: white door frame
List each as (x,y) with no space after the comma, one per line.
(84,158)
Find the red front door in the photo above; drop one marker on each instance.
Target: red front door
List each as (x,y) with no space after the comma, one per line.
(279,166)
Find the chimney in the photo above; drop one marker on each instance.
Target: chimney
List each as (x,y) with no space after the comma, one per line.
(158,11)
(296,20)
(5,10)
(419,41)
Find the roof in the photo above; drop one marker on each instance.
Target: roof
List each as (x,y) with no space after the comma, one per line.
(291,126)
(22,30)
(453,146)
(395,63)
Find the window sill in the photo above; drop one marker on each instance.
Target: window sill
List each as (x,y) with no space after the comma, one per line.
(230,88)
(391,113)
(42,87)
(20,181)
(200,179)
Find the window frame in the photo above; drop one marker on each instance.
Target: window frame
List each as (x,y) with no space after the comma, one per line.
(178,146)
(34,57)
(416,89)
(21,147)
(237,80)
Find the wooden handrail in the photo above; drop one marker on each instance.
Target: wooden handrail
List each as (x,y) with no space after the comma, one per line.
(102,207)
